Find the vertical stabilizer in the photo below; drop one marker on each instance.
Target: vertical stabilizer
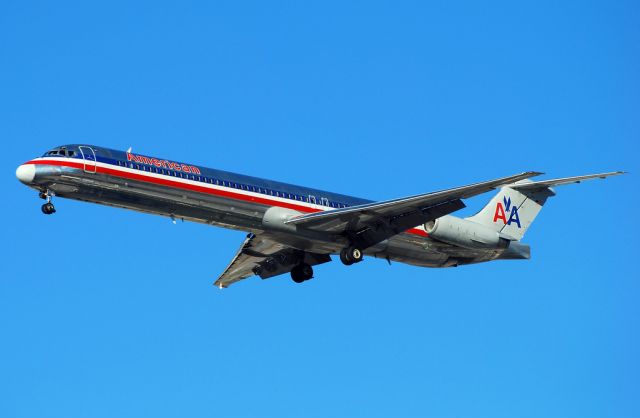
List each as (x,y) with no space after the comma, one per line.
(511,211)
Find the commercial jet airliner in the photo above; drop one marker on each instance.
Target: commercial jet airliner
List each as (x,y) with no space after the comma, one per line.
(293,228)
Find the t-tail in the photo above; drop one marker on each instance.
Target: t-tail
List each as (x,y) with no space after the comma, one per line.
(512,210)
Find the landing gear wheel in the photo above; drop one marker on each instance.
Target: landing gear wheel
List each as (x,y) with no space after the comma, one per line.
(344,257)
(351,255)
(48,208)
(355,254)
(301,273)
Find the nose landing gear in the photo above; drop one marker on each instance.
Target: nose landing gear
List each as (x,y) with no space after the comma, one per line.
(48,207)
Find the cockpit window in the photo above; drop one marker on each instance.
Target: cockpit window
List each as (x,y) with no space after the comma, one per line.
(61,152)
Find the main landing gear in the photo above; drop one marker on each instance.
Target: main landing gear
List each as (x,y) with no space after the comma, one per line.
(301,273)
(48,207)
(351,255)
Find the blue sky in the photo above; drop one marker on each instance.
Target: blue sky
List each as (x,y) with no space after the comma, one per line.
(105,312)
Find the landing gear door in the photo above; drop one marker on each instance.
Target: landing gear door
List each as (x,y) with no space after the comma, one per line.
(89,157)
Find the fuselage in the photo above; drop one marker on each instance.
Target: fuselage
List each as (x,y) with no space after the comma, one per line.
(215,197)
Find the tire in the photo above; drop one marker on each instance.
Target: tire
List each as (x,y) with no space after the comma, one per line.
(344,257)
(301,273)
(48,208)
(307,271)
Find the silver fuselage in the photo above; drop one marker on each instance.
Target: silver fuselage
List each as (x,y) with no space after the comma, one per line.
(228,200)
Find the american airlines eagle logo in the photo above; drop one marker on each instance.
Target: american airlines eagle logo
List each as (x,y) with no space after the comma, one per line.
(507,208)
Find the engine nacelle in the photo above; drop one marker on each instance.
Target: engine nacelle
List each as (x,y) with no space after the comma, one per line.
(274,219)
(463,233)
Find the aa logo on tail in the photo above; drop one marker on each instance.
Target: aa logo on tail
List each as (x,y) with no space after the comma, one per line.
(502,210)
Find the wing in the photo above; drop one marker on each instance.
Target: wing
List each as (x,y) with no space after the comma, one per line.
(262,256)
(371,223)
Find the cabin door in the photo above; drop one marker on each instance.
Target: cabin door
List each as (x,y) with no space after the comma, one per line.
(89,157)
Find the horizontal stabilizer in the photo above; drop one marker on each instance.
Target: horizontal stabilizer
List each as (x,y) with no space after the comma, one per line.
(535,185)
(515,206)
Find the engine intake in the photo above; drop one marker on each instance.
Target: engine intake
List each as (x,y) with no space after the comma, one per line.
(464,233)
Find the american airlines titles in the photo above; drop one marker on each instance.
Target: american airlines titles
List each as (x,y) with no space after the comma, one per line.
(163,163)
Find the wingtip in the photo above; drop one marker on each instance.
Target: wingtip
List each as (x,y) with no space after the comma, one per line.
(612,173)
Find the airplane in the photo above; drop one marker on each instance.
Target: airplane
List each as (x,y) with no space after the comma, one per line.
(292,228)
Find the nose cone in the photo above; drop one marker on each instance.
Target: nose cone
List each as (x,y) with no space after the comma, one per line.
(26,172)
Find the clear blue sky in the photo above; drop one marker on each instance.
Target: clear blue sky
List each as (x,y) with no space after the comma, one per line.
(110,313)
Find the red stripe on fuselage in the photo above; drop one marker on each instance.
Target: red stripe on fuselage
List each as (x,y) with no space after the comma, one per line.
(191,187)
